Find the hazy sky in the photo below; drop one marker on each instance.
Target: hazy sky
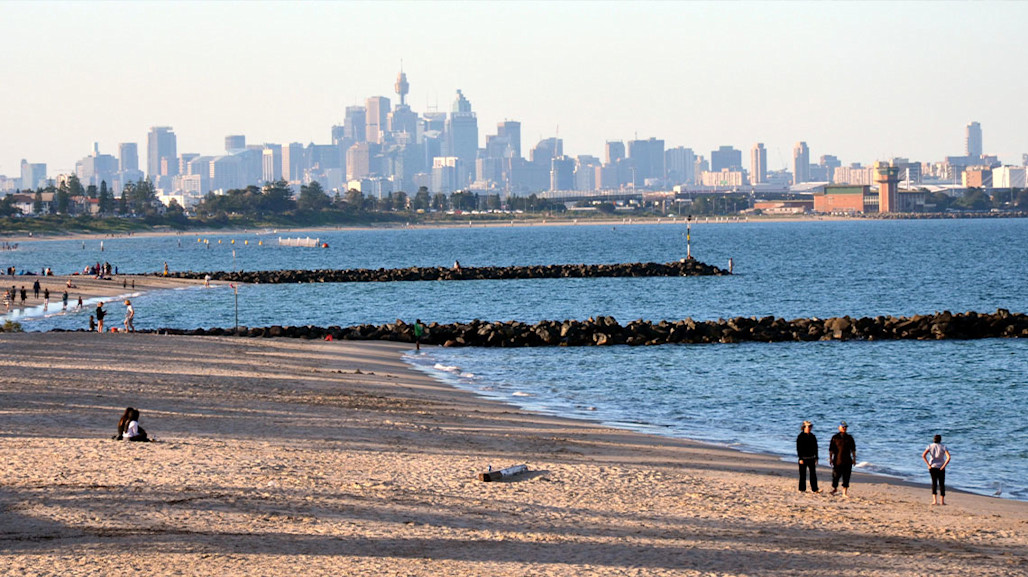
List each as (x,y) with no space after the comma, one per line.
(864,81)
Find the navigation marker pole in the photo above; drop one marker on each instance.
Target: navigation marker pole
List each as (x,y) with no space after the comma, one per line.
(688,237)
(235,290)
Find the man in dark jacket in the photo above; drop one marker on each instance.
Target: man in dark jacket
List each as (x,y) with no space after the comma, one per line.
(842,453)
(806,453)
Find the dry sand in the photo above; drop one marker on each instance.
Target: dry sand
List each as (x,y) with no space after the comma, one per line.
(286,457)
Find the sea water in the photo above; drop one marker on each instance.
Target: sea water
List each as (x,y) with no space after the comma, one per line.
(895,395)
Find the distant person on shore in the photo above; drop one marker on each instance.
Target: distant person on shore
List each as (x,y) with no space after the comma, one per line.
(842,454)
(456,265)
(165,268)
(35,289)
(419,331)
(46,298)
(64,301)
(731,266)
(100,317)
(24,295)
(806,453)
(92,323)
(78,306)
(130,313)
(206,281)
(936,456)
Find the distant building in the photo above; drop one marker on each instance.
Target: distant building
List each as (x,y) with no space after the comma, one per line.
(511,130)
(853,174)
(888,186)
(680,164)
(973,140)
(128,156)
(33,175)
(161,155)
(614,150)
(355,126)
(845,199)
(562,173)
(235,142)
(723,178)
(462,136)
(1008,177)
(377,108)
(647,157)
(800,163)
(784,206)
(758,164)
(725,157)
(977,177)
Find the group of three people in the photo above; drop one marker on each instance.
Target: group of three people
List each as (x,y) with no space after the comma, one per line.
(842,454)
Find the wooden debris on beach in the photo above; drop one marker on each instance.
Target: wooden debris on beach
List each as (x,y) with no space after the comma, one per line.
(503,473)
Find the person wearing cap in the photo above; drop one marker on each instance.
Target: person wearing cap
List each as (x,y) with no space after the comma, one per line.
(130,313)
(806,453)
(842,453)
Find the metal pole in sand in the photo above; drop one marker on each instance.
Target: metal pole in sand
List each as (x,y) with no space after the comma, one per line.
(235,291)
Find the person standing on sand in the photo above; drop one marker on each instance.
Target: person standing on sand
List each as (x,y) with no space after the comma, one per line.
(24,295)
(419,331)
(806,453)
(933,457)
(64,301)
(46,298)
(842,453)
(100,317)
(130,313)
(35,289)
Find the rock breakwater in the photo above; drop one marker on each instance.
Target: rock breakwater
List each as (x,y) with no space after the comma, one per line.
(603,330)
(685,267)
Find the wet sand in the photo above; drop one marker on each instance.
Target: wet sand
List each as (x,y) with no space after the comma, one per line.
(280,457)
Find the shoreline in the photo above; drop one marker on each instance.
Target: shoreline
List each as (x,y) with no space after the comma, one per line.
(275,454)
(90,289)
(510,223)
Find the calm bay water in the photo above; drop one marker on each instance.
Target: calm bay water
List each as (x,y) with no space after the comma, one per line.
(752,396)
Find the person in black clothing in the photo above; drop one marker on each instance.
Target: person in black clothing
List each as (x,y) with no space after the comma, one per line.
(806,453)
(100,312)
(842,453)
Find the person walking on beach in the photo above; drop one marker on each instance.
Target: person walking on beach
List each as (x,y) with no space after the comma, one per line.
(35,289)
(24,295)
(806,453)
(842,453)
(100,317)
(46,298)
(936,456)
(64,301)
(130,313)
(419,331)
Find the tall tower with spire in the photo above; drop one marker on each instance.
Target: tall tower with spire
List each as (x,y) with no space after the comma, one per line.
(401,86)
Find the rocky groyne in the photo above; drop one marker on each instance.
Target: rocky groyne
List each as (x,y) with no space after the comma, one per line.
(602,331)
(684,267)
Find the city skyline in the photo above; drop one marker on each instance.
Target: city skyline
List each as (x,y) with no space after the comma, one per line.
(734,74)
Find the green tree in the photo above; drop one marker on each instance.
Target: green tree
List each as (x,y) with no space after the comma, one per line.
(37,202)
(63,199)
(492,202)
(7,207)
(105,200)
(354,200)
(440,202)
(400,201)
(75,187)
(422,200)
(606,207)
(313,198)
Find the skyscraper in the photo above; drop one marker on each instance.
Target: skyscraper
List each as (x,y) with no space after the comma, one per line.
(973,141)
(758,164)
(725,157)
(614,150)
(681,164)
(377,118)
(235,142)
(355,126)
(800,163)
(647,158)
(128,156)
(512,131)
(161,150)
(462,135)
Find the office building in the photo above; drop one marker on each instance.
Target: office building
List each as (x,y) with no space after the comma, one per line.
(614,150)
(377,111)
(271,163)
(33,175)
(973,141)
(758,164)
(647,158)
(355,124)
(562,173)
(128,156)
(800,163)
(462,136)
(725,157)
(293,163)
(235,142)
(511,130)
(680,163)
(161,155)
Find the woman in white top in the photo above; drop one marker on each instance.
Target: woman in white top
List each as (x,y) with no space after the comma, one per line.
(936,456)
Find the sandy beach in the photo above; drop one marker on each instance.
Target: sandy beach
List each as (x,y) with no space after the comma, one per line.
(85,286)
(278,457)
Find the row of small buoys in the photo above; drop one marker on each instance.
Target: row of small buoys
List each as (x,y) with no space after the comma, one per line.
(233,241)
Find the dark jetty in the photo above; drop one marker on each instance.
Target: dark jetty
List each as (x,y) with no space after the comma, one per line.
(607,331)
(685,267)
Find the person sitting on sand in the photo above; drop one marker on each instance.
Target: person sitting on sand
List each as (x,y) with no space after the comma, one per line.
(128,427)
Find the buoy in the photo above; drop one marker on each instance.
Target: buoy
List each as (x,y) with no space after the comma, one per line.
(233,241)
(328,337)
(324,245)
(246,242)
(260,243)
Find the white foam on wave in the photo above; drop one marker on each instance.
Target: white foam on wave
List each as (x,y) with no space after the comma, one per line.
(521,394)
(446,368)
